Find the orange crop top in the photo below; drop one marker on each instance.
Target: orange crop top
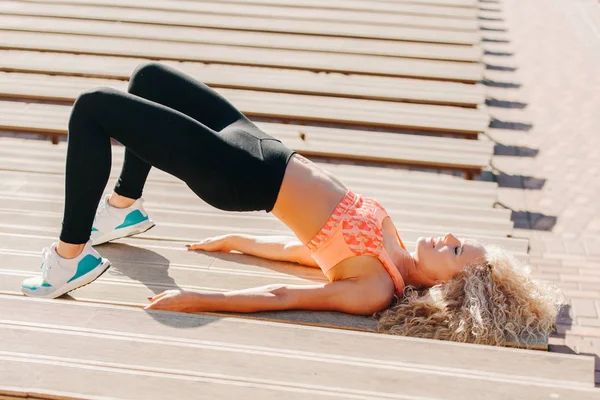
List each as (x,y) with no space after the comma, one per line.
(355,228)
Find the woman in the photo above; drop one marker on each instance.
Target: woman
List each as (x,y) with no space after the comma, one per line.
(181,126)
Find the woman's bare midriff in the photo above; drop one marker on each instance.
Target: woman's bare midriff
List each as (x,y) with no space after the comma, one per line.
(307,197)
(306,200)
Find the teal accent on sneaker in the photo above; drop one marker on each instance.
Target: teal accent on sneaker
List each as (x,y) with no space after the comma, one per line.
(94,229)
(87,264)
(34,284)
(134,217)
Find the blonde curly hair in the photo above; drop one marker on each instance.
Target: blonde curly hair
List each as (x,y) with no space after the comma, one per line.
(494,303)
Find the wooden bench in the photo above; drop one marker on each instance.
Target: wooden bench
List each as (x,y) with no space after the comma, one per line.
(254,78)
(429,152)
(372,6)
(157,354)
(246,23)
(222,54)
(325,15)
(286,106)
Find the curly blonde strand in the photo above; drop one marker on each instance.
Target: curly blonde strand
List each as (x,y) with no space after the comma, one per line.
(494,303)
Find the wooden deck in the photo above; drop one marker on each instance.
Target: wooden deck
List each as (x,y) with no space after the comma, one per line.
(369,89)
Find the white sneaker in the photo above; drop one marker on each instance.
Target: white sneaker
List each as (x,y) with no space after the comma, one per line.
(61,275)
(113,223)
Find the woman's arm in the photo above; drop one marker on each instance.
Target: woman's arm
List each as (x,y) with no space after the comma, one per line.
(351,296)
(279,248)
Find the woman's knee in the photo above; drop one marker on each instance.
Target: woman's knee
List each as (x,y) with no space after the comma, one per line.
(90,103)
(94,97)
(144,76)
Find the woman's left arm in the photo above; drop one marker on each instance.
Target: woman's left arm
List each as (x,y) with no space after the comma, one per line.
(279,248)
(353,296)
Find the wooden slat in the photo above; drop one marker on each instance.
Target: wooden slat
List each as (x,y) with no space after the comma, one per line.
(254,78)
(236,55)
(255,104)
(300,14)
(52,161)
(203,219)
(264,24)
(245,223)
(431,355)
(424,215)
(447,3)
(243,38)
(351,173)
(180,202)
(371,6)
(418,157)
(17,183)
(225,348)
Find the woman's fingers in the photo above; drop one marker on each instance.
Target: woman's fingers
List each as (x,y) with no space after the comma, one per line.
(158,296)
(208,244)
(170,300)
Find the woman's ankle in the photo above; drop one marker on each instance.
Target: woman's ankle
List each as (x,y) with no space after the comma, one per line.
(68,250)
(118,201)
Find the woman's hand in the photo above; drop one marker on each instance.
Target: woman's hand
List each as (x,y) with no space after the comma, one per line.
(217,243)
(174,300)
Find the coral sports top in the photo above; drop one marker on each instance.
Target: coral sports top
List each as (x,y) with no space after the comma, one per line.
(355,228)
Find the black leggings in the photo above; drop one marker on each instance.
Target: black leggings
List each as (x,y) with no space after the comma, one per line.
(179,125)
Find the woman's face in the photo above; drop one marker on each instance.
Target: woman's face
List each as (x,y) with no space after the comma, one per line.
(441,259)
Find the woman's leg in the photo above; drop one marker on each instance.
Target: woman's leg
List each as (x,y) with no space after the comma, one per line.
(171,88)
(230,170)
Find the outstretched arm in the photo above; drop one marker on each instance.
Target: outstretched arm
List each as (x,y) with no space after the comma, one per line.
(352,296)
(279,248)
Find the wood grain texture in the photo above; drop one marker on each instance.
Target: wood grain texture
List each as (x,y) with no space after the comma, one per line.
(325,15)
(351,172)
(247,23)
(287,106)
(254,78)
(233,339)
(239,55)
(371,6)
(258,40)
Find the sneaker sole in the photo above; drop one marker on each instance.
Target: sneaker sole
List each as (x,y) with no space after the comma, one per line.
(124,232)
(76,284)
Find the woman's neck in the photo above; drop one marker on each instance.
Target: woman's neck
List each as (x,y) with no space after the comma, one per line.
(407,266)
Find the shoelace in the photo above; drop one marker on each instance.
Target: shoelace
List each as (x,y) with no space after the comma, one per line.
(101,207)
(47,264)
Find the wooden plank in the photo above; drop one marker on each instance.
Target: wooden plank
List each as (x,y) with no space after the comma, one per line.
(349,172)
(432,355)
(299,14)
(457,203)
(179,211)
(254,78)
(372,6)
(245,223)
(418,157)
(246,23)
(180,224)
(375,176)
(243,38)
(425,196)
(238,55)
(255,104)
(404,210)
(21,186)
(54,163)
(216,347)
(446,3)
(386,189)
